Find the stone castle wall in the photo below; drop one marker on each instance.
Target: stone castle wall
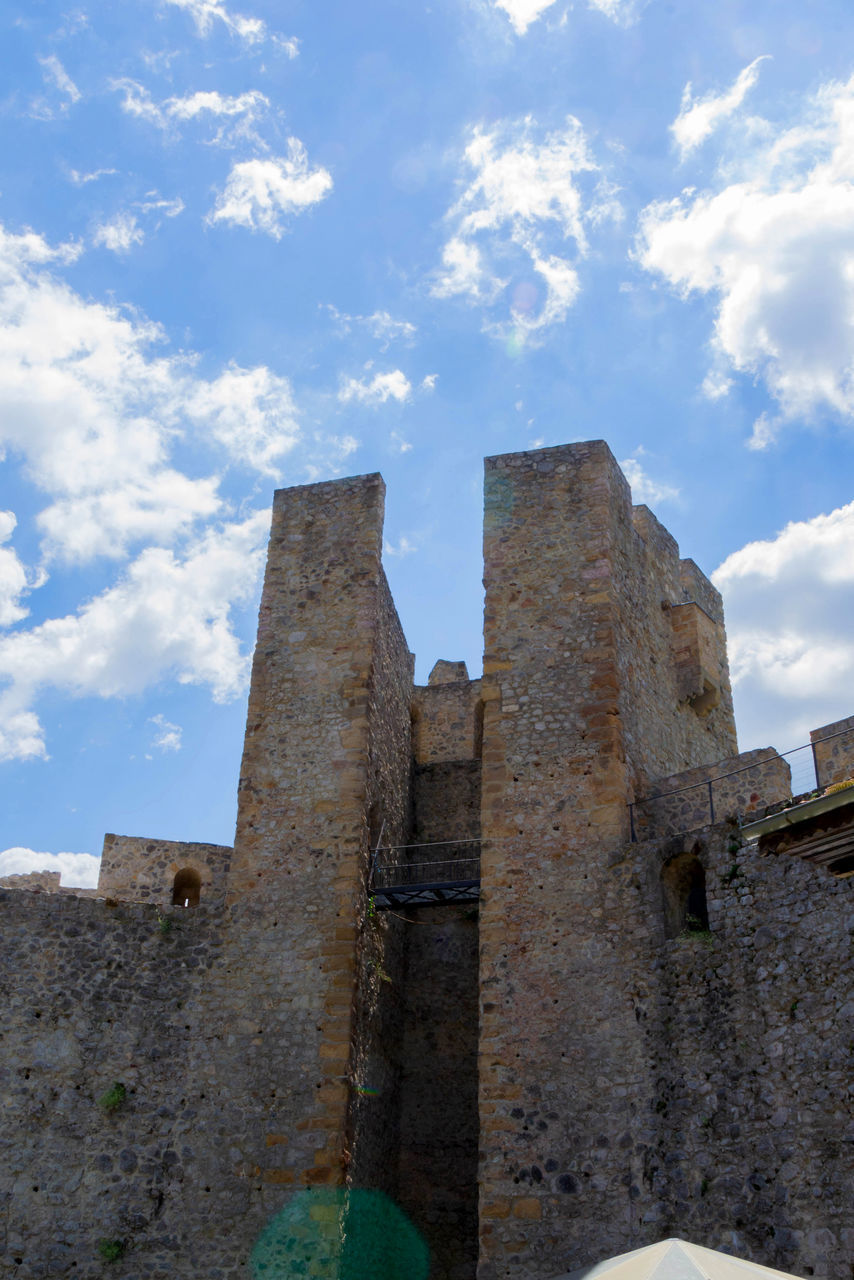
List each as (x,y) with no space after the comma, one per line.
(624,1041)
(375,1066)
(675,701)
(749,1142)
(311,763)
(833,748)
(97,993)
(137,869)
(741,786)
(582,700)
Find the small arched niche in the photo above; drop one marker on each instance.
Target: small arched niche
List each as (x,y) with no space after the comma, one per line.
(683,883)
(186,888)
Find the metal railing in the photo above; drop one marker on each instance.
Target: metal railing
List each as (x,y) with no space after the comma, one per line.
(804,780)
(435,872)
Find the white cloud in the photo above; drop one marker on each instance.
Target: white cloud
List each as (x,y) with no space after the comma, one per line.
(380,325)
(55,75)
(120,234)
(216,104)
(81,179)
(428,383)
(616,10)
(716,385)
(78,870)
(521,211)
(167,736)
(789,604)
(699,118)
(386,329)
(382,387)
(13,575)
(524,12)
(259,193)
(776,250)
(251,412)
(235,114)
(206,13)
(167,617)
(404,547)
(93,412)
(158,507)
(644,488)
(463,272)
(154,204)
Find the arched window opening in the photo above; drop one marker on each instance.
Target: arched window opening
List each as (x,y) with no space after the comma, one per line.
(186,888)
(683,883)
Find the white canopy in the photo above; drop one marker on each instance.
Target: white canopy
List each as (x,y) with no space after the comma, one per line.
(675,1260)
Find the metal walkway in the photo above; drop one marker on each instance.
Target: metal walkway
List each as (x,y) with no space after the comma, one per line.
(424,875)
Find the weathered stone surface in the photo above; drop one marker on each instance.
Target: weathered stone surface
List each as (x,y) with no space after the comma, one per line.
(625,1041)
(136,869)
(833,749)
(739,787)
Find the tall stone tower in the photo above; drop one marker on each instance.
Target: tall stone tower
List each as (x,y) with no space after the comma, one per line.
(326,766)
(591,688)
(535,955)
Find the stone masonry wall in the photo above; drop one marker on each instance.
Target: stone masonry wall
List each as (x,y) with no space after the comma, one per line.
(43,882)
(669,652)
(375,1067)
(747,1112)
(554,790)
(581,699)
(742,785)
(137,869)
(447,801)
(297,880)
(446,721)
(97,993)
(438,1121)
(833,747)
(733,1104)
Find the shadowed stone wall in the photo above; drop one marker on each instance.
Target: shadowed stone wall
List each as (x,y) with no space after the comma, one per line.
(94,994)
(744,1138)
(438,1122)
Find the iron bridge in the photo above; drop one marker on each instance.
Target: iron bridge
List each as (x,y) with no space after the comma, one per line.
(422,875)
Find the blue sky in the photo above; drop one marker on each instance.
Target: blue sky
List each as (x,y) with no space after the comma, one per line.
(244,246)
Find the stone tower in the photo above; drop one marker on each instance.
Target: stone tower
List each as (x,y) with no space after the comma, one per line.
(590,688)
(535,955)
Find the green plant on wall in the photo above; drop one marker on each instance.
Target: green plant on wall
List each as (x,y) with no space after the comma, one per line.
(114,1097)
(696,929)
(111,1250)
